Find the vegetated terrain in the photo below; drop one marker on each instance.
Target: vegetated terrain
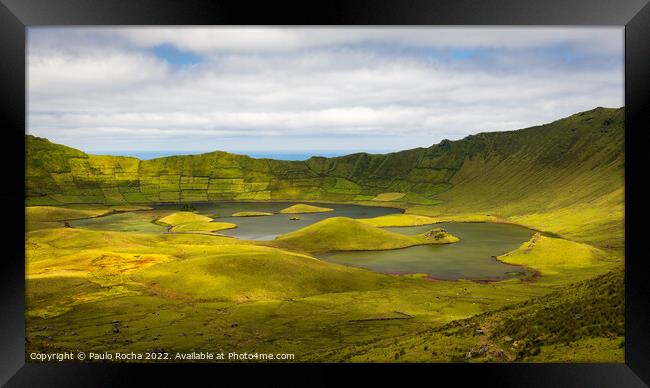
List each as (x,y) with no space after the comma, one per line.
(302,208)
(399,220)
(190,289)
(346,234)
(582,322)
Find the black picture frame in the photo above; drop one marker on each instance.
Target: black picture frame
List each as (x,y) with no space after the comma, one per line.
(17,15)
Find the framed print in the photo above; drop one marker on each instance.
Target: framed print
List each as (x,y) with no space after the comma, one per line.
(380,190)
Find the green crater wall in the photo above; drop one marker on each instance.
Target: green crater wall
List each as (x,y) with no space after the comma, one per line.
(561,167)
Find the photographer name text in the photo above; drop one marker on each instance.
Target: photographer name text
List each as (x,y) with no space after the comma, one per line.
(157,356)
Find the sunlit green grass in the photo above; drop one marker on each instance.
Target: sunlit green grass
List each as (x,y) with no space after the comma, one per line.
(553,255)
(237,295)
(303,208)
(392,220)
(195,290)
(180,218)
(199,227)
(346,234)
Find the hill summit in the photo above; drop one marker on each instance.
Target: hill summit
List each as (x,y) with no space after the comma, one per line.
(347,234)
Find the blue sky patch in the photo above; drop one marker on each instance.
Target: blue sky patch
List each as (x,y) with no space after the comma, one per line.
(461,54)
(174,56)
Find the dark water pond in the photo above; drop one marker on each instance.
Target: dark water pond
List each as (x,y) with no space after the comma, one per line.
(248,228)
(471,258)
(269,227)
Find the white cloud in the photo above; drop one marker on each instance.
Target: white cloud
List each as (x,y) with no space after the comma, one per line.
(103,89)
(273,39)
(55,74)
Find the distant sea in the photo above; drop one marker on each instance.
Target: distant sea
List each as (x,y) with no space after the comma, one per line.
(279,155)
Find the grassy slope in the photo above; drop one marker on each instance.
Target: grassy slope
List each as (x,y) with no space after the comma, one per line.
(346,234)
(212,267)
(55,213)
(180,218)
(302,208)
(81,280)
(399,220)
(78,281)
(45,217)
(583,322)
(565,177)
(246,273)
(558,255)
(389,197)
(198,227)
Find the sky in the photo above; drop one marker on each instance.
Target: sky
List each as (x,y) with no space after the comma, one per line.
(327,91)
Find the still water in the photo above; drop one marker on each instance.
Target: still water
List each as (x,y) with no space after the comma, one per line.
(471,258)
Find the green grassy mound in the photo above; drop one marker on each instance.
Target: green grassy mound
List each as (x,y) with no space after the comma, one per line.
(182,266)
(553,255)
(48,217)
(388,197)
(431,214)
(251,214)
(302,208)
(243,273)
(346,234)
(179,218)
(399,220)
(55,213)
(202,227)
